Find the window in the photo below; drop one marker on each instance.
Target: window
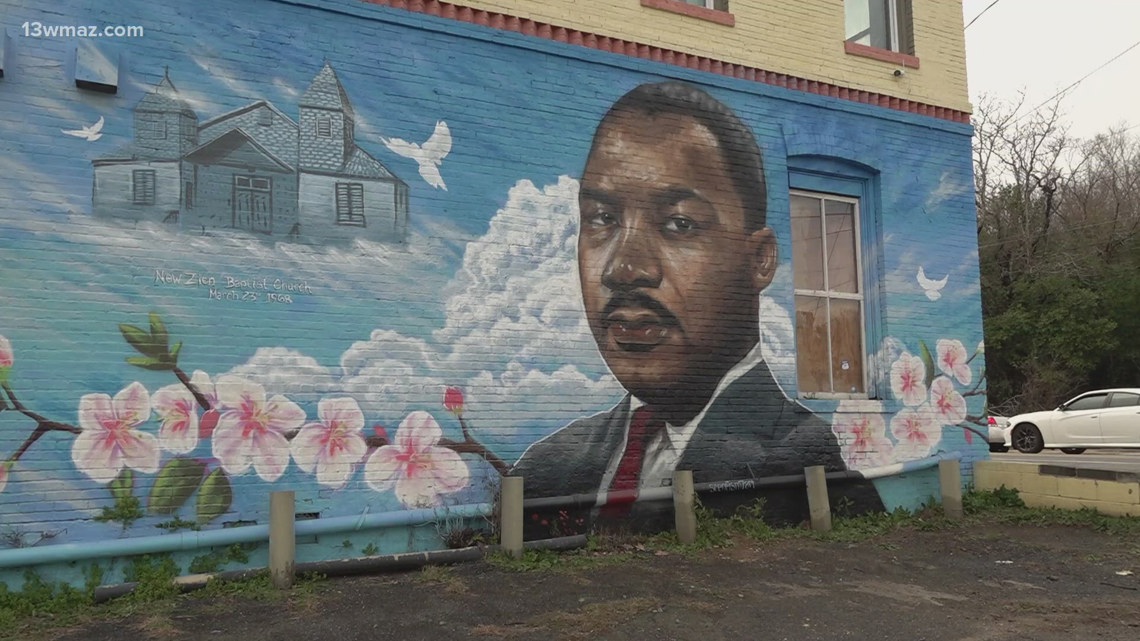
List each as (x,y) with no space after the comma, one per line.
(324,127)
(265,117)
(252,182)
(1124,399)
(710,10)
(189,195)
(829,301)
(882,24)
(152,129)
(1090,402)
(718,5)
(142,186)
(350,204)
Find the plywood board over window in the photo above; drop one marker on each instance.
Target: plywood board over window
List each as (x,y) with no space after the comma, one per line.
(830,340)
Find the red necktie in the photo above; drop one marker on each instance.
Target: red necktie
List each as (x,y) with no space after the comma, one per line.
(623,488)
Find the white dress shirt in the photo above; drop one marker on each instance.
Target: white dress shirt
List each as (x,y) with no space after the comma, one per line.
(666,447)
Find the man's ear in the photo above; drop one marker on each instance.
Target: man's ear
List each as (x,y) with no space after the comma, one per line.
(762,249)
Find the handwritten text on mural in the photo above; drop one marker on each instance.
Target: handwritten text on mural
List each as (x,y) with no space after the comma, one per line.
(227,287)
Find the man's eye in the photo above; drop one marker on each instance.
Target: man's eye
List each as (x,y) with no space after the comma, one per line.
(680,224)
(602,219)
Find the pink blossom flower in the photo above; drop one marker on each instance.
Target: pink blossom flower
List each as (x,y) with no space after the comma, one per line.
(334,444)
(178,411)
(6,357)
(862,438)
(948,405)
(908,379)
(418,469)
(110,439)
(952,360)
(453,400)
(251,431)
(917,433)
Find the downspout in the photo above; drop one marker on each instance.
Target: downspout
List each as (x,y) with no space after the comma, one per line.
(347,567)
(182,541)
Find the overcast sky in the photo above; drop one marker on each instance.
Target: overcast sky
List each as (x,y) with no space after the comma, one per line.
(1042,46)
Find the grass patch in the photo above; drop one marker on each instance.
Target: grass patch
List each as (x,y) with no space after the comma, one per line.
(443,576)
(41,607)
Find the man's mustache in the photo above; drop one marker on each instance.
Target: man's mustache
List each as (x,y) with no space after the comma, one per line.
(639,300)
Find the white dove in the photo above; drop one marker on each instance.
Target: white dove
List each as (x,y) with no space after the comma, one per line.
(933,288)
(429,155)
(92,133)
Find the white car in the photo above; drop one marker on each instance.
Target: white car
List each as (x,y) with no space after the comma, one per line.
(998,433)
(1100,418)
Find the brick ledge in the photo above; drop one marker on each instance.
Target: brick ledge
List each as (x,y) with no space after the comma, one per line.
(566,35)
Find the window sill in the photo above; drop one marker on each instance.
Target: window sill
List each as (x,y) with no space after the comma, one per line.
(838,396)
(875,53)
(693,11)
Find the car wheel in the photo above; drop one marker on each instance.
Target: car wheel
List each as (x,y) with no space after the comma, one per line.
(998,448)
(1027,439)
(1073,450)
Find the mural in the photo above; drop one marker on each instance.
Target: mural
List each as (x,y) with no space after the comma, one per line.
(587,286)
(255,169)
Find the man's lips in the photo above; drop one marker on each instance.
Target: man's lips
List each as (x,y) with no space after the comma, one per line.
(638,328)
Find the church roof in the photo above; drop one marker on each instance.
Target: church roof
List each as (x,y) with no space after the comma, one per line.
(326,92)
(165,98)
(360,163)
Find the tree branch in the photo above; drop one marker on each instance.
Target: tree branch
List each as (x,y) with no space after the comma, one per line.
(968,428)
(474,447)
(43,425)
(198,396)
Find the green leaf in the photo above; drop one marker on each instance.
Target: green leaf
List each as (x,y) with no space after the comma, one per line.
(215,497)
(174,353)
(141,341)
(928,361)
(149,363)
(123,487)
(159,336)
(176,481)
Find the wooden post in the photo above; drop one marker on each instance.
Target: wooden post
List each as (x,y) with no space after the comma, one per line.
(684,506)
(511,516)
(282,539)
(950,478)
(818,505)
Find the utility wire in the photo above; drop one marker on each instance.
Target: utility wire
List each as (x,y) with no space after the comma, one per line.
(1082,79)
(991,6)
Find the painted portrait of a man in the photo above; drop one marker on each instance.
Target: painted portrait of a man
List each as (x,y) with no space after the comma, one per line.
(674,250)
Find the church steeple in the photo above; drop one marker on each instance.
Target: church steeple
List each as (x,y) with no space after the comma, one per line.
(328,123)
(164,122)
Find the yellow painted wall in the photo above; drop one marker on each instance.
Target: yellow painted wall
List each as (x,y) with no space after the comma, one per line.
(798,37)
(1116,498)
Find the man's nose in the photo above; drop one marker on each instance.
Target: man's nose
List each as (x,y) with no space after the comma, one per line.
(634,262)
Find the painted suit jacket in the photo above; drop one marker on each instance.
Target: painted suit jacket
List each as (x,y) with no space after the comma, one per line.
(752,430)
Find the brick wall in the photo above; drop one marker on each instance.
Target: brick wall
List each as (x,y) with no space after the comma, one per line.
(802,38)
(224,346)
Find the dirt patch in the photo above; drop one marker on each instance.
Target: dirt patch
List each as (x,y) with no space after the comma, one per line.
(976,583)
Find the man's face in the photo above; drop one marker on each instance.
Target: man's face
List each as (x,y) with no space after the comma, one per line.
(670,276)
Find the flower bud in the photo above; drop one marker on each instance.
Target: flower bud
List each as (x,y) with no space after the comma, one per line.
(208,422)
(453,400)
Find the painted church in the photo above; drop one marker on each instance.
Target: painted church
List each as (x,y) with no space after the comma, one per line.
(254,169)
